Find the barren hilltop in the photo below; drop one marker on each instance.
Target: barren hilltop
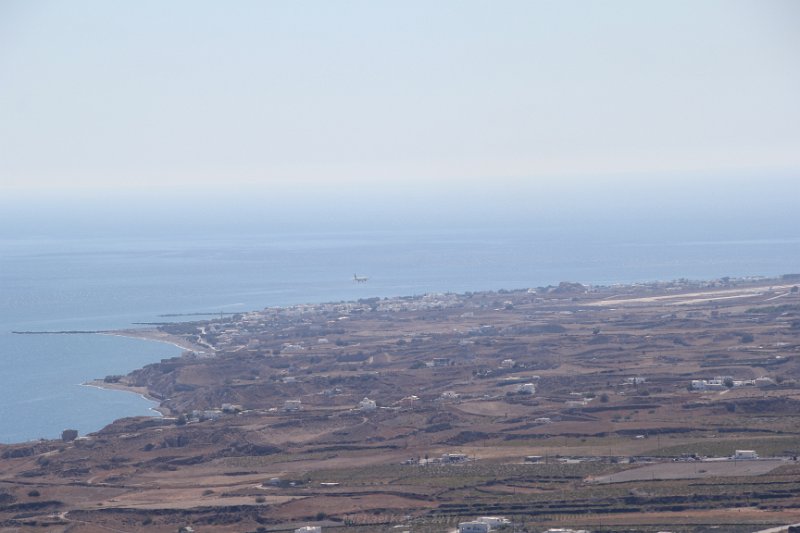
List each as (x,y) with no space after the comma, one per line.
(661,406)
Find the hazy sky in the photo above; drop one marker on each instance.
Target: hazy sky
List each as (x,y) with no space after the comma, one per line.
(335,93)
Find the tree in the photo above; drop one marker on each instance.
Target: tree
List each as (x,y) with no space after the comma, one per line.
(69,435)
(728,382)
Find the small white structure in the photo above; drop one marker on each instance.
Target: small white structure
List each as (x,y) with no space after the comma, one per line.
(635,380)
(308,529)
(474,527)
(764,381)
(409,401)
(450,395)
(292,405)
(454,458)
(698,384)
(367,405)
(292,348)
(577,403)
(527,388)
(494,521)
(208,414)
(745,454)
(507,363)
(231,408)
(543,420)
(710,384)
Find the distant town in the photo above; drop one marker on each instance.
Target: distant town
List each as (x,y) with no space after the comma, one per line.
(664,406)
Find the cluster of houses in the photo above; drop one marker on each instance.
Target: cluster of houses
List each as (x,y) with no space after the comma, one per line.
(726,382)
(486,524)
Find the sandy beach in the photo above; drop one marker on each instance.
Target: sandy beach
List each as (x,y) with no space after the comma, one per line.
(153,334)
(141,391)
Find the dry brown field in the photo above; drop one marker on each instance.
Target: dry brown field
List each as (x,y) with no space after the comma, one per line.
(612,422)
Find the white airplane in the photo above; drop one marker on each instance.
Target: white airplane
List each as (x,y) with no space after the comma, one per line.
(358,279)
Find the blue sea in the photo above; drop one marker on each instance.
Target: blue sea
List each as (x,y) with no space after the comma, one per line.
(104,282)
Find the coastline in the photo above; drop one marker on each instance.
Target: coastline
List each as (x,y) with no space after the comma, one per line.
(157,336)
(748,287)
(139,391)
(148,334)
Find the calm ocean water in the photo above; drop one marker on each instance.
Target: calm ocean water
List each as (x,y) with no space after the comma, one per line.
(102,283)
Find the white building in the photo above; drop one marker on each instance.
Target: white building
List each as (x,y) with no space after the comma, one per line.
(745,454)
(367,405)
(208,414)
(292,348)
(764,381)
(494,521)
(577,403)
(527,388)
(308,529)
(292,405)
(454,457)
(507,363)
(543,420)
(711,384)
(635,380)
(473,527)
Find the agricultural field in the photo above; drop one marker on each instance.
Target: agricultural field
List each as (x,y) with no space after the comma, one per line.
(566,406)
